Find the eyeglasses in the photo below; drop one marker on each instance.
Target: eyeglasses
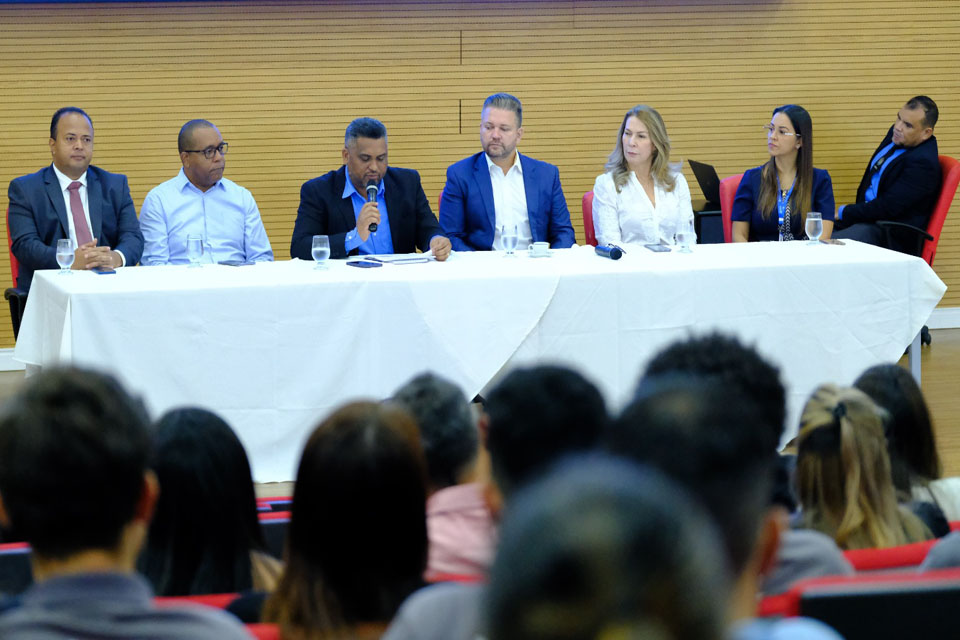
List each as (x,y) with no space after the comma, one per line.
(770,129)
(209,152)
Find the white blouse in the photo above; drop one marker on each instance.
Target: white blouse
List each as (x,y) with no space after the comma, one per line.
(629,217)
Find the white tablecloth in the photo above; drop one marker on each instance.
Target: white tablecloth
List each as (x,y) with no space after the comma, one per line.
(274,347)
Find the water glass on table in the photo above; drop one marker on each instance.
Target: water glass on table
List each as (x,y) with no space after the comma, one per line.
(814,227)
(194,250)
(685,236)
(509,238)
(320,250)
(65,255)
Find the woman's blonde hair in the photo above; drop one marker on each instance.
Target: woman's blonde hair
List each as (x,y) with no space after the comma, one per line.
(843,473)
(659,167)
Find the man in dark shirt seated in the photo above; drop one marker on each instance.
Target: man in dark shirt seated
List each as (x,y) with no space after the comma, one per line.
(901,182)
(340,205)
(74,483)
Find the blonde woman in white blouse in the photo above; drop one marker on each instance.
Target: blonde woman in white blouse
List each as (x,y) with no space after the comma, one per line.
(640,199)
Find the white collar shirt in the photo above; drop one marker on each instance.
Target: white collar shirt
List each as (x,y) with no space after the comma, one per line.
(509,202)
(65,182)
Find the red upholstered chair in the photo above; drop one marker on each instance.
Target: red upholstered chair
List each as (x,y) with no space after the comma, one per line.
(588,231)
(15,296)
(215,600)
(728,190)
(905,555)
(264,631)
(927,239)
(892,605)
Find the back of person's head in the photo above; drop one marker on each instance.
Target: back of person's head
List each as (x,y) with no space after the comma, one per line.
(707,438)
(843,472)
(537,415)
(910,440)
(601,548)
(74,448)
(206,524)
(448,430)
(733,365)
(357,540)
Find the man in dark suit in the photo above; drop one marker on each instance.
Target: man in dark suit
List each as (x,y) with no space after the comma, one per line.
(500,188)
(901,183)
(337,204)
(71,199)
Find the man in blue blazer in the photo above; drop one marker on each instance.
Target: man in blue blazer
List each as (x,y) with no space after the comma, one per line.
(71,199)
(901,182)
(499,187)
(366,206)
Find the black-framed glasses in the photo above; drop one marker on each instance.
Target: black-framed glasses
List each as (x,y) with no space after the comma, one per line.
(770,130)
(209,152)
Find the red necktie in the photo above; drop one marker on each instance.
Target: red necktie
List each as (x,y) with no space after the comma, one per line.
(79,220)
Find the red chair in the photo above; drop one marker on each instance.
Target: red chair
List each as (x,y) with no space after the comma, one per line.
(215,600)
(728,190)
(14,295)
(927,239)
(905,555)
(588,231)
(264,631)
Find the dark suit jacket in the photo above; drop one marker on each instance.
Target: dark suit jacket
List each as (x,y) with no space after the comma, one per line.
(908,189)
(324,211)
(467,213)
(38,218)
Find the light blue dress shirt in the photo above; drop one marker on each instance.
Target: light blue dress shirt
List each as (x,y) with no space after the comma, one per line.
(871,191)
(225,216)
(380,242)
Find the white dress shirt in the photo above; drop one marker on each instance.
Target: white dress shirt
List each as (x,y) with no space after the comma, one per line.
(629,217)
(71,228)
(509,202)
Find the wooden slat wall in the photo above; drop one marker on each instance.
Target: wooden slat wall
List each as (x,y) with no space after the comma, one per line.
(282,79)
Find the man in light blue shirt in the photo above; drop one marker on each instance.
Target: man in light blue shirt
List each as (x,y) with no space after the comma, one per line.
(201,202)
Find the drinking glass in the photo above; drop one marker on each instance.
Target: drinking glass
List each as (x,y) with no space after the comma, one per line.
(65,255)
(320,251)
(685,236)
(509,238)
(814,227)
(194,250)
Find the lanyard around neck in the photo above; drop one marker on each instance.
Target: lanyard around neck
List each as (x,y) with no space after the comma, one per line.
(783,199)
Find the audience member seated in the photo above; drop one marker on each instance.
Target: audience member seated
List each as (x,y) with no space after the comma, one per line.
(709,438)
(725,361)
(773,200)
(205,536)
(843,474)
(459,524)
(75,482)
(601,548)
(910,439)
(536,416)
(901,182)
(641,199)
(357,541)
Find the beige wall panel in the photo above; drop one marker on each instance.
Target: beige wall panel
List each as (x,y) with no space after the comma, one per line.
(282,79)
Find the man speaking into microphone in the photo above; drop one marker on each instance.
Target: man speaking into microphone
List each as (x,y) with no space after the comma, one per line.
(366,207)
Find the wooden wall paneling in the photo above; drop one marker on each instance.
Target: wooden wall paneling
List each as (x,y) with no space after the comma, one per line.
(282,79)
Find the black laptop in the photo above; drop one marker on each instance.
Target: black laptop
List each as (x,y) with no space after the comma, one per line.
(709,182)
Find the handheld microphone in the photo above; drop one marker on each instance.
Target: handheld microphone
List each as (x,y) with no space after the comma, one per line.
(609,251)
(372,197)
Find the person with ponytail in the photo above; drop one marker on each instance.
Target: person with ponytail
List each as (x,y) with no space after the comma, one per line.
(843,473)
(773,199)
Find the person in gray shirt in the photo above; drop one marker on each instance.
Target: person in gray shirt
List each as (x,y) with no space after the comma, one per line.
(75,484)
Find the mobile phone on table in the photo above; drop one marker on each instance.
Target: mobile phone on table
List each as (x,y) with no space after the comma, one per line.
(234,263)
(657,248)
(103,271)
(364,264)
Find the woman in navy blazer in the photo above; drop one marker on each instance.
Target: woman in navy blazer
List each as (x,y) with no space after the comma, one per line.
(773,199)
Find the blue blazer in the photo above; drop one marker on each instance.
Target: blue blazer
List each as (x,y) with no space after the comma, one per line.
(38,218)
(745,205)
(467,213)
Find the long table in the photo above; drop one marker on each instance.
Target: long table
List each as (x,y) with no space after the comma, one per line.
(274,347)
